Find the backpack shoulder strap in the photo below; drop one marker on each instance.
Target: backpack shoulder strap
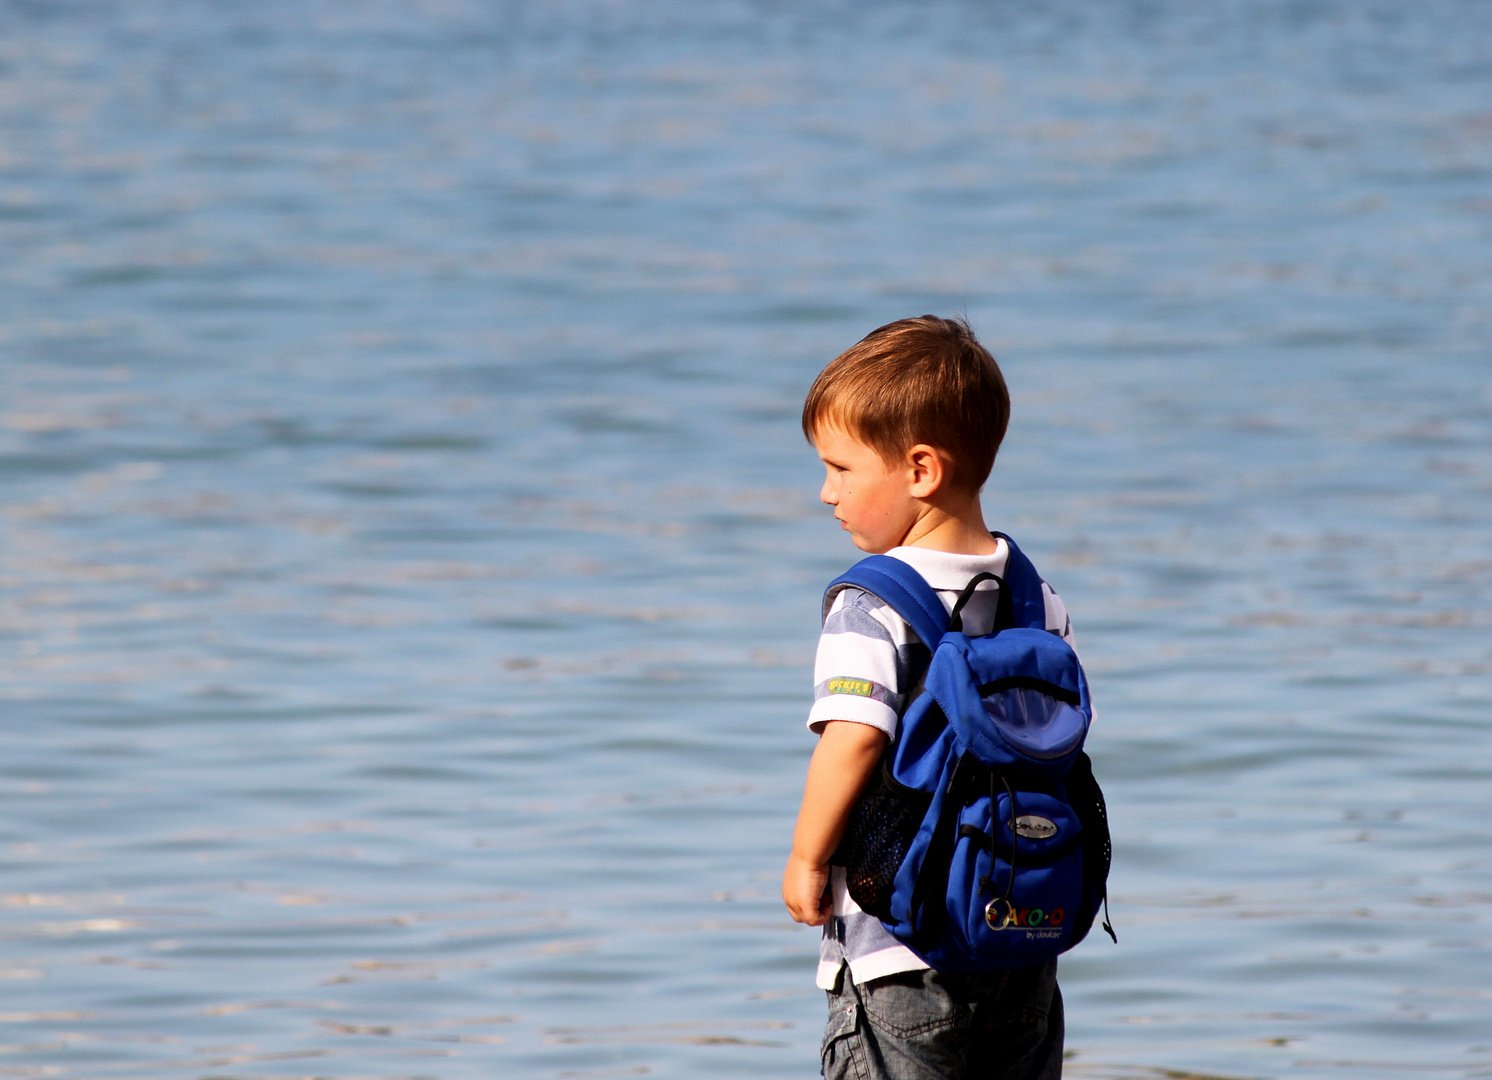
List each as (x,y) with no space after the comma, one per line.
(1026,597)
(905,590)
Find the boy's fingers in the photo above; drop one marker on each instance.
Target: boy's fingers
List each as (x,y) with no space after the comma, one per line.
(811,918)
(810,914)
(806,903)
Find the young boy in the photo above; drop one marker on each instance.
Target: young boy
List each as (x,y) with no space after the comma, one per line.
(907,423)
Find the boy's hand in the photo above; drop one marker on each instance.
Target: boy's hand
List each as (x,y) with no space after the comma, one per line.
(805,890)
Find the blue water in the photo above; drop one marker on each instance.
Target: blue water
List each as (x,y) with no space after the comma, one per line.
(410,561)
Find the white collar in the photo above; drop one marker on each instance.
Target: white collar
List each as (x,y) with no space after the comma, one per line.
(952,569)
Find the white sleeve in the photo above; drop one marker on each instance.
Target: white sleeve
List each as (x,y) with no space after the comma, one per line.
(856,674)
(1057,620)
(1059,623)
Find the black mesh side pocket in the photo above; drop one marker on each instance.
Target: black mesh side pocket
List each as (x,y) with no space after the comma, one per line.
(1085,797)
(881,827)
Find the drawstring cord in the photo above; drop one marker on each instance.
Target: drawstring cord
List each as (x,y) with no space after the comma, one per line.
(999,913)
(1010,797)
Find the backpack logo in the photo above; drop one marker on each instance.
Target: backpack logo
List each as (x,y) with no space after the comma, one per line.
(1035,828)
(1001,916)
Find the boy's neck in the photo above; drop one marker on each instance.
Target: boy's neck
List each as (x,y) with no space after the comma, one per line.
(958,529)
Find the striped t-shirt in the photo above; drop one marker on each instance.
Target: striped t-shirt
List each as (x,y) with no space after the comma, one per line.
(868,658)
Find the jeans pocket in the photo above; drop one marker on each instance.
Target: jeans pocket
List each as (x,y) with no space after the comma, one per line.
(837,1052)
(911,1004)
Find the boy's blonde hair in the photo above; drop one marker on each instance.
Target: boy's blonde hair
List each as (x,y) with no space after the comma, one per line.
(924,380)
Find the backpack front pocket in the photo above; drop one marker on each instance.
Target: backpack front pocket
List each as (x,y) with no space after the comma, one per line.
(1016,881)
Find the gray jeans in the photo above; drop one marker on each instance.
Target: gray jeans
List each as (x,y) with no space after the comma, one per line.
(932,1025)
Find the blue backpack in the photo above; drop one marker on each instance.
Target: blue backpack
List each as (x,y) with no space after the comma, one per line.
(982,842)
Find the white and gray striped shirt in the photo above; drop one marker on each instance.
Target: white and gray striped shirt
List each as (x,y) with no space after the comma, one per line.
(868,658)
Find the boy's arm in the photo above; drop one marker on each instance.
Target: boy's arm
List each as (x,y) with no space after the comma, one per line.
(842,763)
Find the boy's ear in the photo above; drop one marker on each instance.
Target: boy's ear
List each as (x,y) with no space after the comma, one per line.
(927,468)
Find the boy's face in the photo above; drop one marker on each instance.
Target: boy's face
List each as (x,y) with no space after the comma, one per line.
(872,499)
